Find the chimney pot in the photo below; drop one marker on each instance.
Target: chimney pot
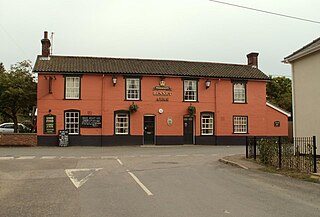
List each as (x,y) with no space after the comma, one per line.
(45,35)
(253,59)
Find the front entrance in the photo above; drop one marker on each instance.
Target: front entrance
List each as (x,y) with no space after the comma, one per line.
(148,135)
(188,130)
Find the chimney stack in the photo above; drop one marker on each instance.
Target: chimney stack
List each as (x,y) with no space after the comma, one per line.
(253,59)
(45,45)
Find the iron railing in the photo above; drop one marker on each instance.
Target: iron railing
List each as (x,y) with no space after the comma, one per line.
(299,153)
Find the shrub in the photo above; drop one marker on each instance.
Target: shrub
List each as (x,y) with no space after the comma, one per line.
(268,149)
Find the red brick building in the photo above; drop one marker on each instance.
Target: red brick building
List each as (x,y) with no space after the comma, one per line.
(115,101)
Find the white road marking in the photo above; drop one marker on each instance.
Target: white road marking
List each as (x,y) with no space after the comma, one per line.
(198,155)
(226,212)
(48,157)
(164,155)
(108,157)
(75,181)
(26,157)
(119,161)
(67,157)
(129,156)
(145,155)
(182,155)
(86,157)
(6,158)
(140,184)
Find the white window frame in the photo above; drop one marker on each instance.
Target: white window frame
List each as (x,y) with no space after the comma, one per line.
(72,122)
(190,90)
(121,125)
(132,88)
(240,124)
(207,124)
(72,86)
(239,92)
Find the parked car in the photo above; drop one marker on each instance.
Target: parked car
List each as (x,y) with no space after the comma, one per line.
(9,128)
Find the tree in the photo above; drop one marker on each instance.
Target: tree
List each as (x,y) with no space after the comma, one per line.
(17,91)
(279,92)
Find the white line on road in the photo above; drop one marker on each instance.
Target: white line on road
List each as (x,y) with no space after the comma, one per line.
(145,155)
(164,155)
(198,155)
(86,157)
(26,157)
(67,157)
(75,180)
(48,157)
(140,184)
(129,156)
(182,155)
(119,161)
(6,158)
(108,157)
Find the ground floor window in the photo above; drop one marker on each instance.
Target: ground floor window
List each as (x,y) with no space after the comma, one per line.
(207,124)
(122,123)
(240,124)
(71,121)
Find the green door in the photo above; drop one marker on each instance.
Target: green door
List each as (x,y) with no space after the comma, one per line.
(148,135)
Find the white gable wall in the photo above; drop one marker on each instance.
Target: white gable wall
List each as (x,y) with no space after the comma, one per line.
(306,95)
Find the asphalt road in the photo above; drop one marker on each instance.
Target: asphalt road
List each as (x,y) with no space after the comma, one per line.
(177,181)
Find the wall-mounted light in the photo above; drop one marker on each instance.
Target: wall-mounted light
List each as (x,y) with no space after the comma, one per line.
(114,80)
(208,83)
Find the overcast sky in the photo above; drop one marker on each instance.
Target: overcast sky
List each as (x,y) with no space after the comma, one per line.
(198,30)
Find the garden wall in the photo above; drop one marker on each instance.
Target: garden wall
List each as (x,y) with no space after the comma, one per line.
(18,139)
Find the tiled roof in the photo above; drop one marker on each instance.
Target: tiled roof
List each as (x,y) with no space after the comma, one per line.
(304,49)
(77,64)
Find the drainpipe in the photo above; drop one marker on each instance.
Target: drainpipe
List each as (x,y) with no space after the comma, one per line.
(102,91)
(215,110)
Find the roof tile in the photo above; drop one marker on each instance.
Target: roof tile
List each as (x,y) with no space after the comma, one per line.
(78,64)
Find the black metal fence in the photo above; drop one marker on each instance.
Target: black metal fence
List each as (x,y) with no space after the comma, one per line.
(299,153)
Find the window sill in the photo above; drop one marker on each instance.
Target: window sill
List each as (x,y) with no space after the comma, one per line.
(240,103)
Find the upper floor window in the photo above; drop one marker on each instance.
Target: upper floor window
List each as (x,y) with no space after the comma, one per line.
(72,87)
(72,121)
(240,124)
(121,123)
(239,92)
(207,124)
(190,90)
(132,88)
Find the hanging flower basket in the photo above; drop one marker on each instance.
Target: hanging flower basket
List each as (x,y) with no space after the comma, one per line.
(133,108)
(191,110)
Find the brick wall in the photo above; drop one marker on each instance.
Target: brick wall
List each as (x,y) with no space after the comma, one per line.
(18,139)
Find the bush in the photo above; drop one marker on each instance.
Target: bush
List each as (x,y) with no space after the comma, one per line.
(268,150)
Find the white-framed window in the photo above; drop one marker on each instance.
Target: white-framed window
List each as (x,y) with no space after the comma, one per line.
(240,124)
(121,124)
(190,89)
(239,92)
(132,88)
(72,87)
(207,124)
(72,121)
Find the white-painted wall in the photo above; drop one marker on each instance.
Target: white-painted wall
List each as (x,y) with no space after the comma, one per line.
(306,93)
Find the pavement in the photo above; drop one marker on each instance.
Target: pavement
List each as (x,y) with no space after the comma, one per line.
(239,160)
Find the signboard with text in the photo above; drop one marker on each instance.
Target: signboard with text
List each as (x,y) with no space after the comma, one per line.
(91,121)
(49,124)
